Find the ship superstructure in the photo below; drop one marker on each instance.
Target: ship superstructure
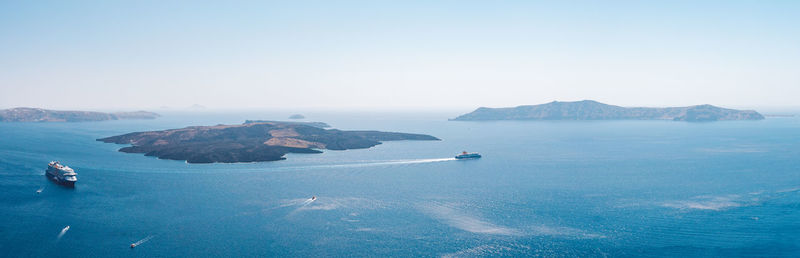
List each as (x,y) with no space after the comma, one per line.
(467,155)
(61,174)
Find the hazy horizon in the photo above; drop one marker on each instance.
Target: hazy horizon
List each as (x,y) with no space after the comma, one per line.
(393,56)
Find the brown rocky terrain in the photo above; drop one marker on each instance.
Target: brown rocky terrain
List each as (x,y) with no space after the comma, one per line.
(250,142)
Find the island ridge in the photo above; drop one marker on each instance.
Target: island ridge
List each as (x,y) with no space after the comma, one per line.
(251,142)
(593,110)
(23,114)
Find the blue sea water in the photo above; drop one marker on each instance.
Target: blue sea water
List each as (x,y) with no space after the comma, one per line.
(542,188)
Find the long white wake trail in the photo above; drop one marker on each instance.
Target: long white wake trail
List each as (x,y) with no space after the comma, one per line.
(392,162)
(415,161)
(142,241)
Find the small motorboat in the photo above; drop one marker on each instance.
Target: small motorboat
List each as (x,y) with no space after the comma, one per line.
(313,198)
(133,245)
(468,155)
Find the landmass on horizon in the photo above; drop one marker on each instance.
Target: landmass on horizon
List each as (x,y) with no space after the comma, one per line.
(251,141)
(314,124)
(593,110)
(23,114)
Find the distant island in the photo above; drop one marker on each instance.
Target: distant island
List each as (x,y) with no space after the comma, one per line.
(23,114)
(250,142)
(314,124)
(297,116)
(593,110)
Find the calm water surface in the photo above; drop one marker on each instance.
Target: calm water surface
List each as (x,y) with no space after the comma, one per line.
(559,188)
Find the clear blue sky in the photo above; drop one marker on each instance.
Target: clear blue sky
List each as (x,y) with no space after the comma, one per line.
(397,54)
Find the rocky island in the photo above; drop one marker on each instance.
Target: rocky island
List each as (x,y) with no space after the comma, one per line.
(593,110)
(251,142)
(44,115)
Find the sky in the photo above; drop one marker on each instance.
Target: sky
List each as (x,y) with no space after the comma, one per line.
(370,55)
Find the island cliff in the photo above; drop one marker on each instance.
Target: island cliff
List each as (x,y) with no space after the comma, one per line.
(593,110)
(250,142)
(44,115)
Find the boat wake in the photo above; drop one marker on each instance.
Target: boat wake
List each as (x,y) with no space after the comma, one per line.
(144,240)
(462,219)
(308,201)
(355,164)
(383,163)
(458,219)
(714,203)
(330,203)
(63,231)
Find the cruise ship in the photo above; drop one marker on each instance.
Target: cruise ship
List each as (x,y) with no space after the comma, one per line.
(61,174)
(467,155)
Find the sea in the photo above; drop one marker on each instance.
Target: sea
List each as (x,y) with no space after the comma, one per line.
(542,188)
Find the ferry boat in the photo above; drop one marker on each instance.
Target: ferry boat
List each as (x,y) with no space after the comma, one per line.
(61,174)
(468,155)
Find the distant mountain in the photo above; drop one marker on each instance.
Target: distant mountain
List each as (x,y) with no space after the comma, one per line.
(44,115)
(593,110)
(297,116)
(135,115)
